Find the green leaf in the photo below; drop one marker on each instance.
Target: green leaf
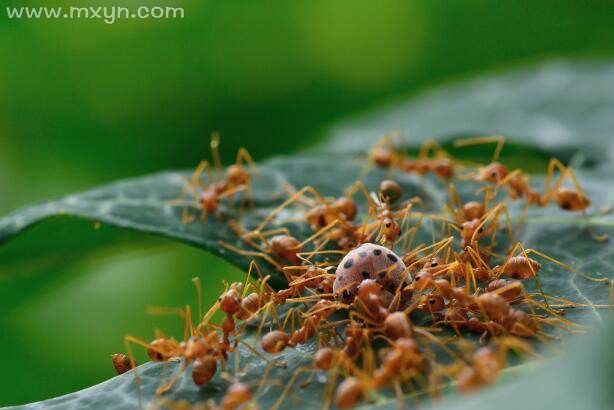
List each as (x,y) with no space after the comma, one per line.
(143,204)
(549,230)
(579,379)
(148,204)
(555,106)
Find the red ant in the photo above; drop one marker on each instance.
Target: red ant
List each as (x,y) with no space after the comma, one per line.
(235,179)
(486,364)
(518,183)
(431,159)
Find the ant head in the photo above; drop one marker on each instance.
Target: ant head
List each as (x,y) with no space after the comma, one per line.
(470,227)
(195,347)
(434,303)
(237,175)
(423,280)
(383,157)
(317,217)
(326,285)
(230,302)
(494,173)
(443,168)
(161,349)
(390,229)
(367,288)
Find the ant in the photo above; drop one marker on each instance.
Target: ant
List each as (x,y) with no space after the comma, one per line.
(486,364)
(236,178)
(322,212)
(276,246)
(388,224)
(431,158)
(518,183)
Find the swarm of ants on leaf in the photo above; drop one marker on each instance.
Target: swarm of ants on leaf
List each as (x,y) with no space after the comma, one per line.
(384,312)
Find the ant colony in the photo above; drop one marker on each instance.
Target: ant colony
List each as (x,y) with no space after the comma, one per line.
(383,299)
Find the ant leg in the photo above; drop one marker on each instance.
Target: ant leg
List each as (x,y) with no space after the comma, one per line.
(406,212)
(508,225)
(184,314)
(207,317)
(252,253)
(398,392)
(165,387)
(214,144)
(364,318)
(247,236)
(455,205)
(319,233)
(250,194)
(288,386)
(498,139)
(199,294)
(553,165)
(257,353)
(568,267)
(554,313)
(308,255)
(491,215)
(243,156)
(202,167)
(523,216)
(477,258)
(232,191)
(128,340)
(294,197)
(428,146)
(509,177)
(429,336)
(318,248)
(289,319)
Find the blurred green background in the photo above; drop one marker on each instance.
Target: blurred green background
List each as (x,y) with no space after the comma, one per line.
(83,102)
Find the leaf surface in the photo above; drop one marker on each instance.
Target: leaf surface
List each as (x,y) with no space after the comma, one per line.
(549,106)
(553,106)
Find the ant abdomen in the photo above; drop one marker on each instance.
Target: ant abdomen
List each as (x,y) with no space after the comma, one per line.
(203,370)
(122,363)
(275,341)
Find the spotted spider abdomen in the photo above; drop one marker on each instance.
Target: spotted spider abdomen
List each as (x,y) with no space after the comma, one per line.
(369,261)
